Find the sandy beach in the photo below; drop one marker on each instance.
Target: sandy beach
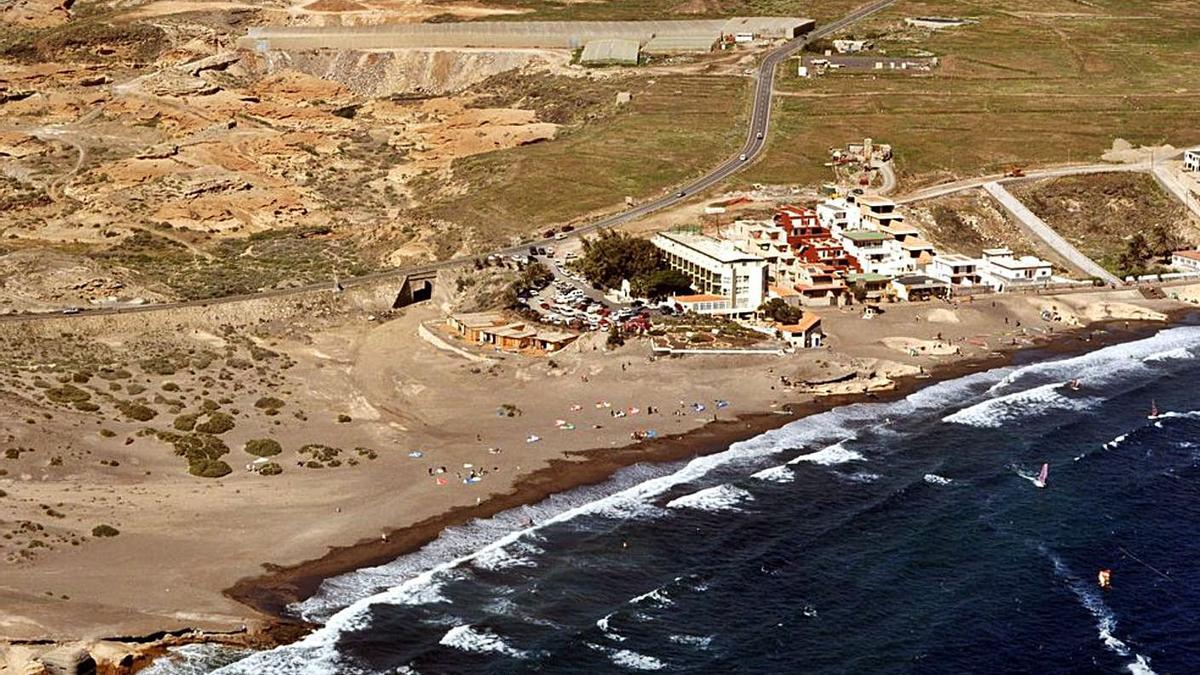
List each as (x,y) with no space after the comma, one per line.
(205,557)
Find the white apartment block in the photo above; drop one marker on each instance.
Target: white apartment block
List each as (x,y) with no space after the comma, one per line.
(768,241)
(1191,160)
(717,267)
(838,215)
(1186,261)
(1001,270)
(955,269)
(877,213)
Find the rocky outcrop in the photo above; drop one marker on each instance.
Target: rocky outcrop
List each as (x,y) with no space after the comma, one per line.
(412,71)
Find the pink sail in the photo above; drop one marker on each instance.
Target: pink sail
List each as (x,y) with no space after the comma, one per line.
(1044,474)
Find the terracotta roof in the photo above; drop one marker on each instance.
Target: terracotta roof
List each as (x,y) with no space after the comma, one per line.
(783,291)
(699,298)
(916,242)
(1190,255)
(806,322)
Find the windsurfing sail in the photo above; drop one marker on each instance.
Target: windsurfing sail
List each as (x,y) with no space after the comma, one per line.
(1042,476)
(1153,409)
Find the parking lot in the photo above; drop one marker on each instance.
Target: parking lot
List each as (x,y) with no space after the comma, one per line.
(570,301)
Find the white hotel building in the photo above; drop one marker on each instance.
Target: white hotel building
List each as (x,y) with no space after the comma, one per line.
(728,279)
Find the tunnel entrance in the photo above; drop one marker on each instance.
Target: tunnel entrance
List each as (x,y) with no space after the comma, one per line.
(413,291)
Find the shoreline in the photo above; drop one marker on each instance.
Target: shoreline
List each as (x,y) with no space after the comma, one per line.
(281,585)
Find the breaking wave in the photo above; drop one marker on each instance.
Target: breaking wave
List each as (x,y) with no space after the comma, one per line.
(480,641)
(632,660)
(1039,400)
(776,474)
(830,456)
(720,498)
(934,479)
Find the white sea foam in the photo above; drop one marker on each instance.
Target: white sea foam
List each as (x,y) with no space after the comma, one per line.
(500,558)
(654,597)
(1168,355)
(467,638)
(1106,621)
(859,477)
(605,627)
(697,641)
(632,660)
(830,456)
(776,474)
(996,412)
(723,497)
(934,479)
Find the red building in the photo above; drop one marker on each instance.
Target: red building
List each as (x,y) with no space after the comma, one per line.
(813,242)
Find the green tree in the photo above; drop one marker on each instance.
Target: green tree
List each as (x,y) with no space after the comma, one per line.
(615,339)
(660,284)
(777,310)
(613,256)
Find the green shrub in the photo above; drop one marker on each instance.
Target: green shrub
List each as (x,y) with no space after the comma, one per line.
(268,403)
(217,423)
(105,531)
(117,374)
(86,406)
(170,386)
(68,393)
(209,468)
(186,422)
(158,366)
(263,447)
(107,433)
(134,389)
(270,469)
(136,411)
(343,419)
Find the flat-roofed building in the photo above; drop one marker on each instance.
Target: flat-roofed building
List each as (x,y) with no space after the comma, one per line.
(1186,261)
(878,213)
(870,248)
(915,287)
(610,51)
(681,44)
(1191,160)
(1001,270)
(956,269)
(717,267)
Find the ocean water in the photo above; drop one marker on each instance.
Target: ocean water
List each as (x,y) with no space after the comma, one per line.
(902,537)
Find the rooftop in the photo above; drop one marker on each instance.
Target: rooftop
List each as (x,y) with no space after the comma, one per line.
(874,200)
(956,259)
(720,250)
(1190,255)
(918,280)
(480,319)
(916,243)
(864,235)
(806,322)
(1024,262)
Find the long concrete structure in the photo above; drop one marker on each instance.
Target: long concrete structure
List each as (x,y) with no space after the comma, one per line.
(517,34)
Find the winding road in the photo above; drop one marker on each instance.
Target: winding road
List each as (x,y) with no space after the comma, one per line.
(756,138)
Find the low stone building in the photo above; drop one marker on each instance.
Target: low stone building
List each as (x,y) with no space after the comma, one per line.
(497,330)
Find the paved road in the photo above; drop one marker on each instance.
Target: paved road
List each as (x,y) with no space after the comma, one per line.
(973,183)
(1041,230)
(756,138)
(1170,182)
